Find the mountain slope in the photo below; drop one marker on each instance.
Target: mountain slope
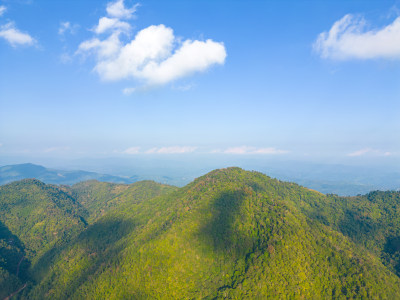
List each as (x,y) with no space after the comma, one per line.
(34,217)
(38,220)
(39,214)
(230,233)
(100,197)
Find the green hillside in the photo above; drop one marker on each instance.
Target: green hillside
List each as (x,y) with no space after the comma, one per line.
(100,197)
(230,233)
(39,214)
(34,217)
(38,220)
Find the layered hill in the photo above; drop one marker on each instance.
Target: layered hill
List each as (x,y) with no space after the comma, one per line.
(12,173)
(228,234)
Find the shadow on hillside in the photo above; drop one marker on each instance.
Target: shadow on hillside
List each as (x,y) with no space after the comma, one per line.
(85,254)
(222,232)
(392,247)
(11,253)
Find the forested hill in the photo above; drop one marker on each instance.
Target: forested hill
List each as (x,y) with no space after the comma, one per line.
(229,234)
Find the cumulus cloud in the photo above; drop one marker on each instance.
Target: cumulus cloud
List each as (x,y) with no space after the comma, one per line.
(369,151)
(132,150)
(2,9)
(15,37)
(251,150)
(154,56)
(349,39)
(171,150)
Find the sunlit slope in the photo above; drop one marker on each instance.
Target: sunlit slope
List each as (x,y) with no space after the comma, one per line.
(100,197)
(230,233)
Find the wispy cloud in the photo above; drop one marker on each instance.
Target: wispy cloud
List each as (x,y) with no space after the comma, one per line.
(128,91)
(154,56)
(14,36)
(67,27)
(349,39)
(251,150)
(111,24)
(171,150)
(118,10)
(132,150)
(57,149)
(369,151)
(2,10)
(184,88)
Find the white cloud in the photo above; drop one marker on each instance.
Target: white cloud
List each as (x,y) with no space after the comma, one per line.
(118,10)
(15,37)
(108,24)
(192,56)
(155,56)
(369,151)
(171,150)
(148,57)
(132,150)
(348,39)
(102,49)
(251,150)
(2,9)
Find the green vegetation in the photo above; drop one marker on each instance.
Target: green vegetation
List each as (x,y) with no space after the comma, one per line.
(100,197)
(39,214)
(229,234)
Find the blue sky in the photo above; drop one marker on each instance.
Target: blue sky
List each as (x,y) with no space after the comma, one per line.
(303,80)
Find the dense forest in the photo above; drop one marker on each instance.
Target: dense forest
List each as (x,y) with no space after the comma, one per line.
(229,234)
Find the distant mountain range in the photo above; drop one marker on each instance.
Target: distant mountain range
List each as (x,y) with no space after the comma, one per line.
(22,171)
(327,179)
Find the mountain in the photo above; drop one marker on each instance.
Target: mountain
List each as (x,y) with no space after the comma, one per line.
(22,171)
(228,234)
